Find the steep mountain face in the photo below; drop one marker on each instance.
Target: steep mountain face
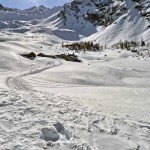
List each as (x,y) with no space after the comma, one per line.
(101,21)
(144,7)
(82,15)
(101,12)
(97,12)
(108,20)
(5,8)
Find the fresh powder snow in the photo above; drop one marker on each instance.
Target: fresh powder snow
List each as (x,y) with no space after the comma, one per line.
(100,103)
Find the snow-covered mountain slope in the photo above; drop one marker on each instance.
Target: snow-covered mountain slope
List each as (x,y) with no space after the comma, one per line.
(101,103)
(23,21)
(83,15)
(101,21)
(111,21)
(32,13)
(130,26)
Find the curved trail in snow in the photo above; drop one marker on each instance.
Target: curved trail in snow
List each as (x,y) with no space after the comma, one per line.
(19,83)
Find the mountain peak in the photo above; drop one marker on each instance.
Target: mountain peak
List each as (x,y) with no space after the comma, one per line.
(1,6)
(122,18)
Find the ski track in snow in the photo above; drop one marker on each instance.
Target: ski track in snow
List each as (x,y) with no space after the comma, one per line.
(18,82)
(34,109)
(26,112)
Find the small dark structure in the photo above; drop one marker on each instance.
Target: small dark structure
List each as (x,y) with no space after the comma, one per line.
(134,51)
(48,56)
(29,56)
(68,57)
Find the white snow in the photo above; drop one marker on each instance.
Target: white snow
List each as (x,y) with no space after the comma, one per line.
(102,103)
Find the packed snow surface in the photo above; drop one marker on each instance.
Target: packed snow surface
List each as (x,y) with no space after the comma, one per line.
(102,103)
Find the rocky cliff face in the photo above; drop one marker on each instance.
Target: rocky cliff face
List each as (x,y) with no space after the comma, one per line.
(144,7)
(105,21)
(100,12)
(95,12)
(5,8)
(108,20)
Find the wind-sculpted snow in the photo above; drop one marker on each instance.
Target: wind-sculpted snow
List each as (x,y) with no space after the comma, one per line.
(37,113)
(101,103)
(26,116)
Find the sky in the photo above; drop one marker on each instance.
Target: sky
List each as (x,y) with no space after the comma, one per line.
(23,4)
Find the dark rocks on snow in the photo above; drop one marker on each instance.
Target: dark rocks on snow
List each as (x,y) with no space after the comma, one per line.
(49,134)
(59,127)
(48,56)
(29,56)
(67,57)
(134,51)
(1,6)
